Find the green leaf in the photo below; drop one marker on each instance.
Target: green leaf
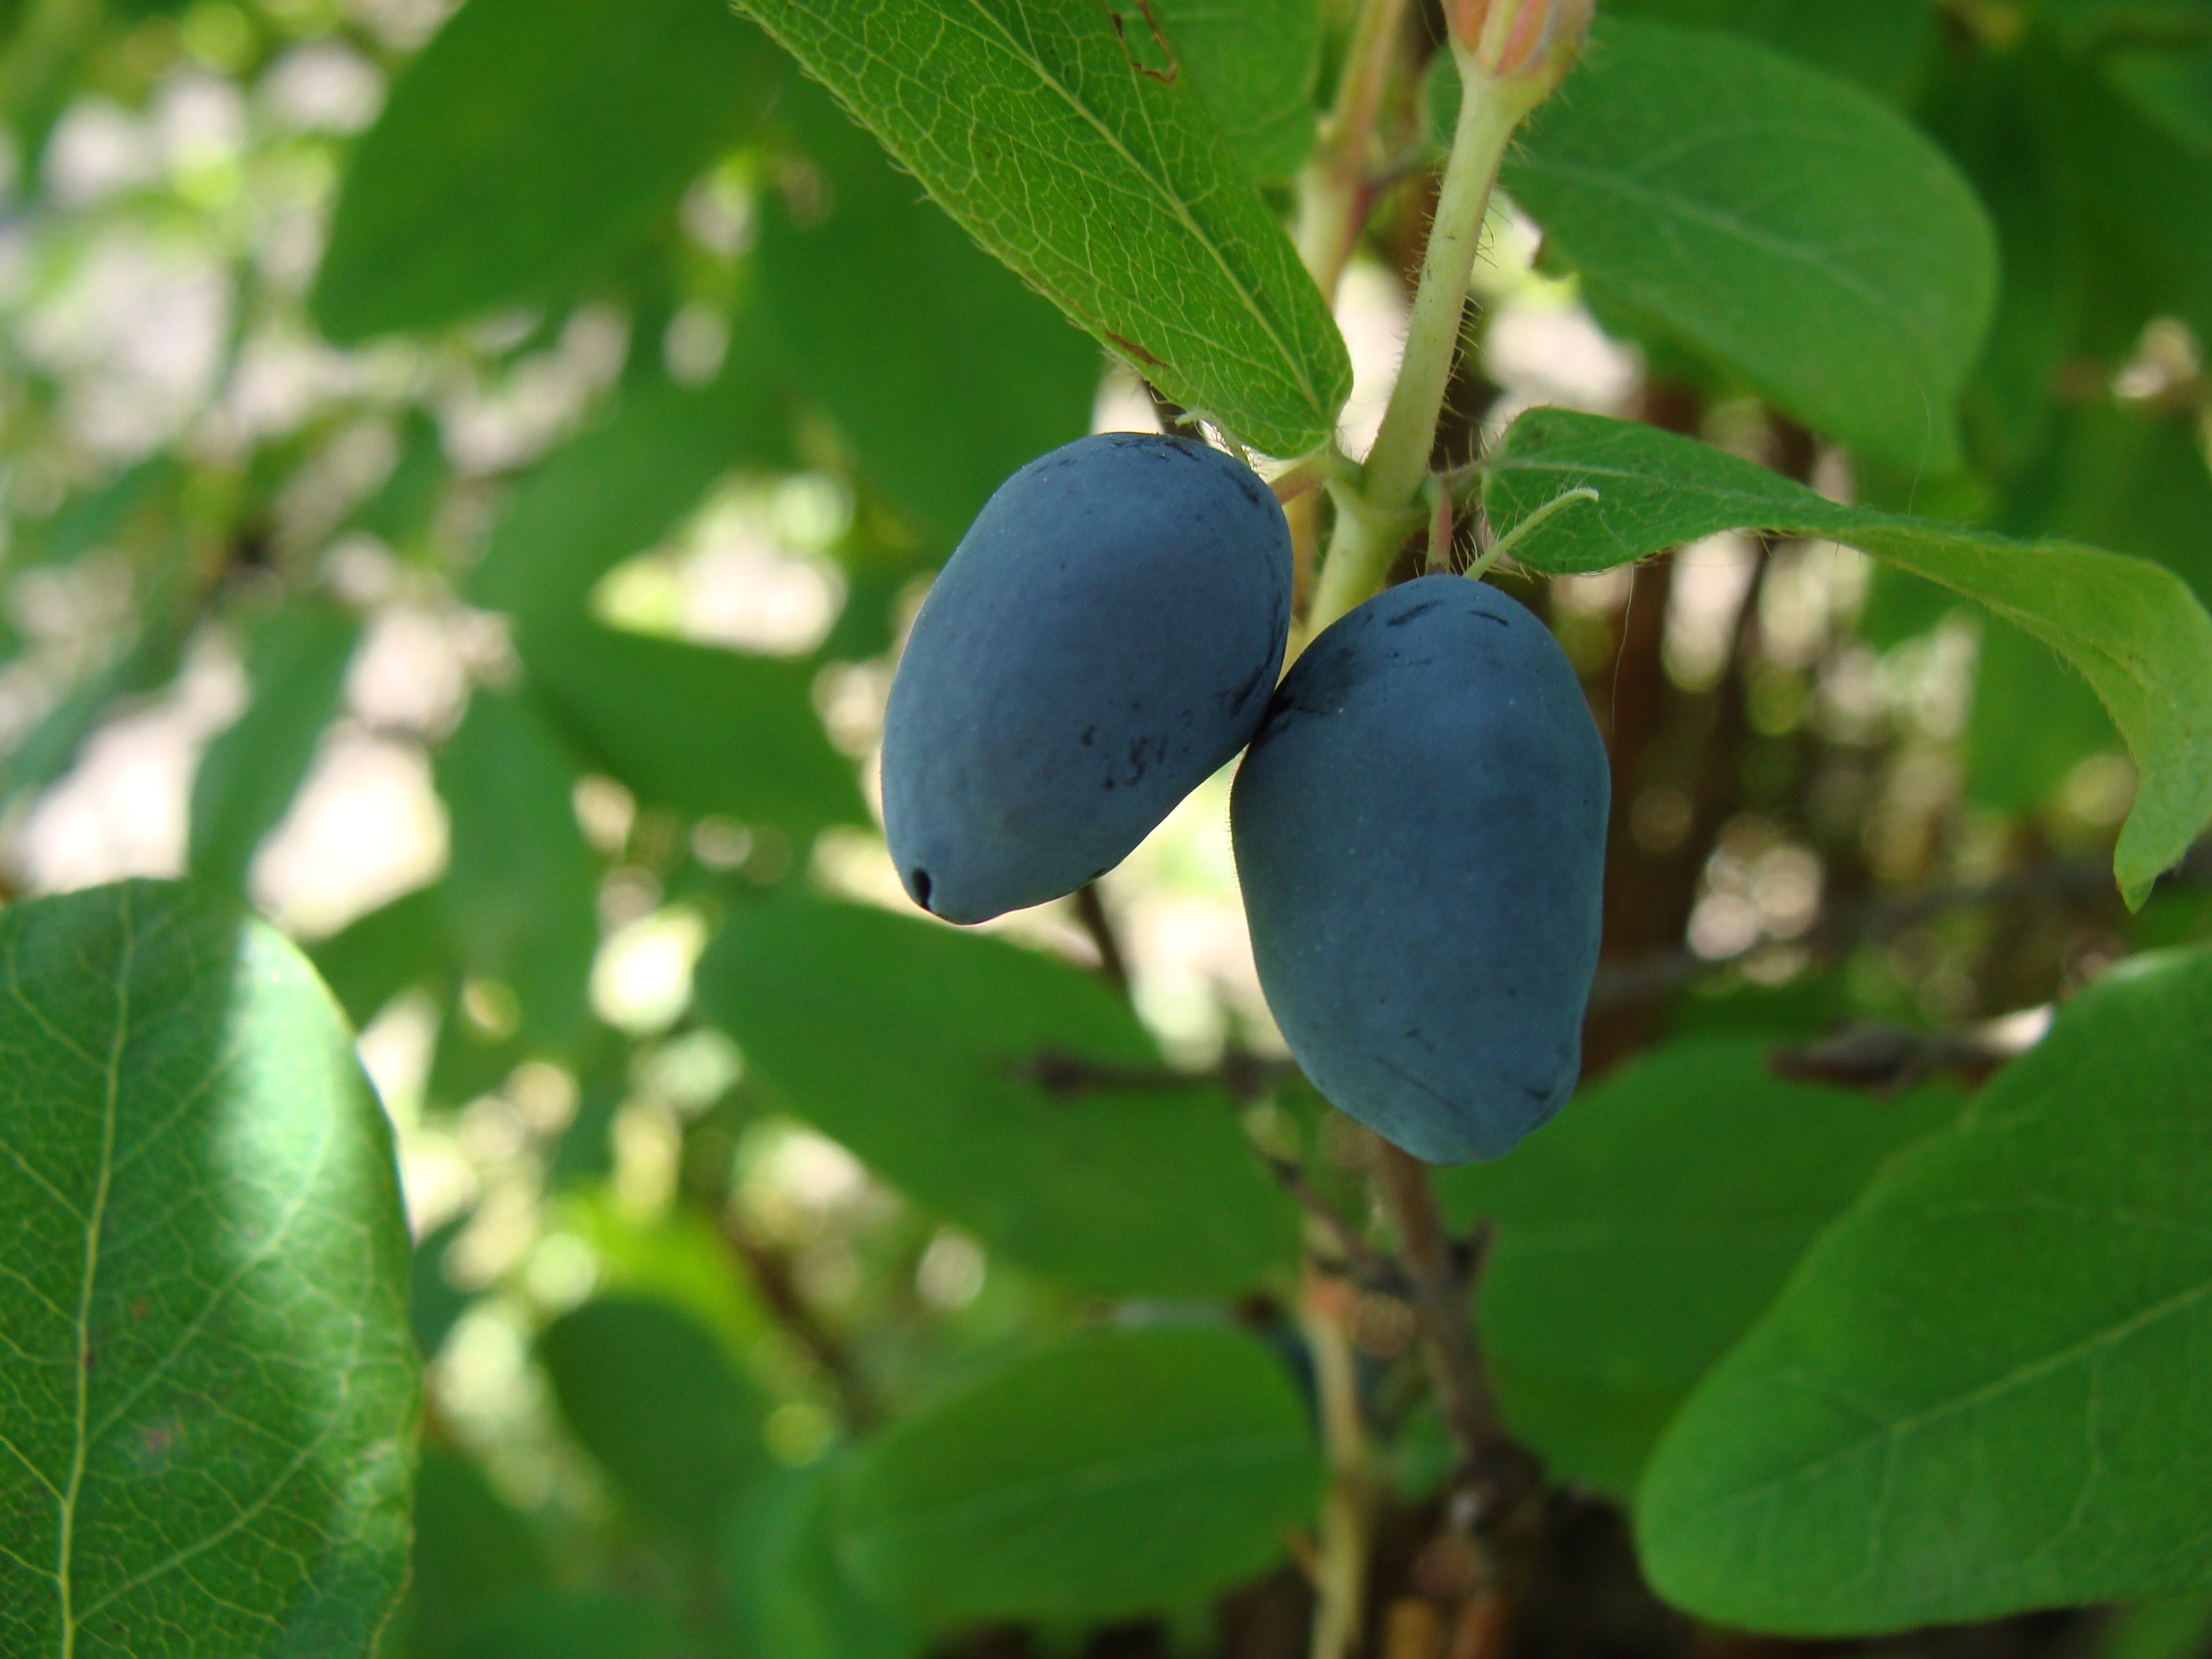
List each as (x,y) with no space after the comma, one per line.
(618,488)
(943,369)
(1117,1472)
(696,727)
(1108,189)
(1984,110)
(2113,477)
(572,1625)
(2131,480)
(915,1046)
(2087,22)
(1253,63)
(296,671)
(2171,89)
(1987,1389)
(471,1550)
(435,1302)
(2145,202)
(2134,630)
(2159,1630)
(1642,1233)
(1886,45)
(789,1596)
(1786,225)
(392,949)
(50,749)
(520,886)
(99,518)
(2033,722)
(652,1398)
(209,1402)
(531,146)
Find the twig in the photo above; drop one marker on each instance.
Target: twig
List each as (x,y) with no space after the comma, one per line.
(772,1276)
(1091,911)
(1340,1567)
(1498,1478)
(1379,1272)
(1891,1058)
(1241,1075)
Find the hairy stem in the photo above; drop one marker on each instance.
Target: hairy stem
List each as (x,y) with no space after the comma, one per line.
(1364,543)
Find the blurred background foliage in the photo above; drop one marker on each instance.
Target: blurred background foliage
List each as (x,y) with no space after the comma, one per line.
(465,478)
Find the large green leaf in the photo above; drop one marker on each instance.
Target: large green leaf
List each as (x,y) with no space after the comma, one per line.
(1984,110)
(521,885)
(2171,89)
(471,1550)
(1642,1233)
(655,1401)
(1077,163)
(1787,225)
(790,1597)
(1117,1472)
(1885,46)
(295,672)
(530,145)
(2115,478)
(944,370)
(1254,62)
(695,727)
(572,1624)
(2145,200)
(917,1047)
(2135,631)
(209,1399)
(619,487)
(1989,1387)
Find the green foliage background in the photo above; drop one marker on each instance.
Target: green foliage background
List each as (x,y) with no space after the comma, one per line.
(385,387)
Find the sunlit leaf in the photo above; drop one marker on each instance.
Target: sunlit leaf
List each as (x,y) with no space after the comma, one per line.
(1073,158)
(696,727)
(1989,1387)
(617,487)
(511,165)
(920,1048)
(942,367)
(1255,62)
(1782,223)
(209,1402)
(520,884)
(294,673)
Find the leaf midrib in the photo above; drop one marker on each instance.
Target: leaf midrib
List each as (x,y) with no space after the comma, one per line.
(95,1219)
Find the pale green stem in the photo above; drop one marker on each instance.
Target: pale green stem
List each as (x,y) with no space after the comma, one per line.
(1332,189)
(1366,540)
(1512,539)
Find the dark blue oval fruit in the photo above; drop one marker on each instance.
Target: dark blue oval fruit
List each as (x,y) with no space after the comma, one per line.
(1420,836)
(1104,639)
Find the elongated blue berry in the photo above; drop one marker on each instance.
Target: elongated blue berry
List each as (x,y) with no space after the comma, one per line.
(1104,639)
(1420,836)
